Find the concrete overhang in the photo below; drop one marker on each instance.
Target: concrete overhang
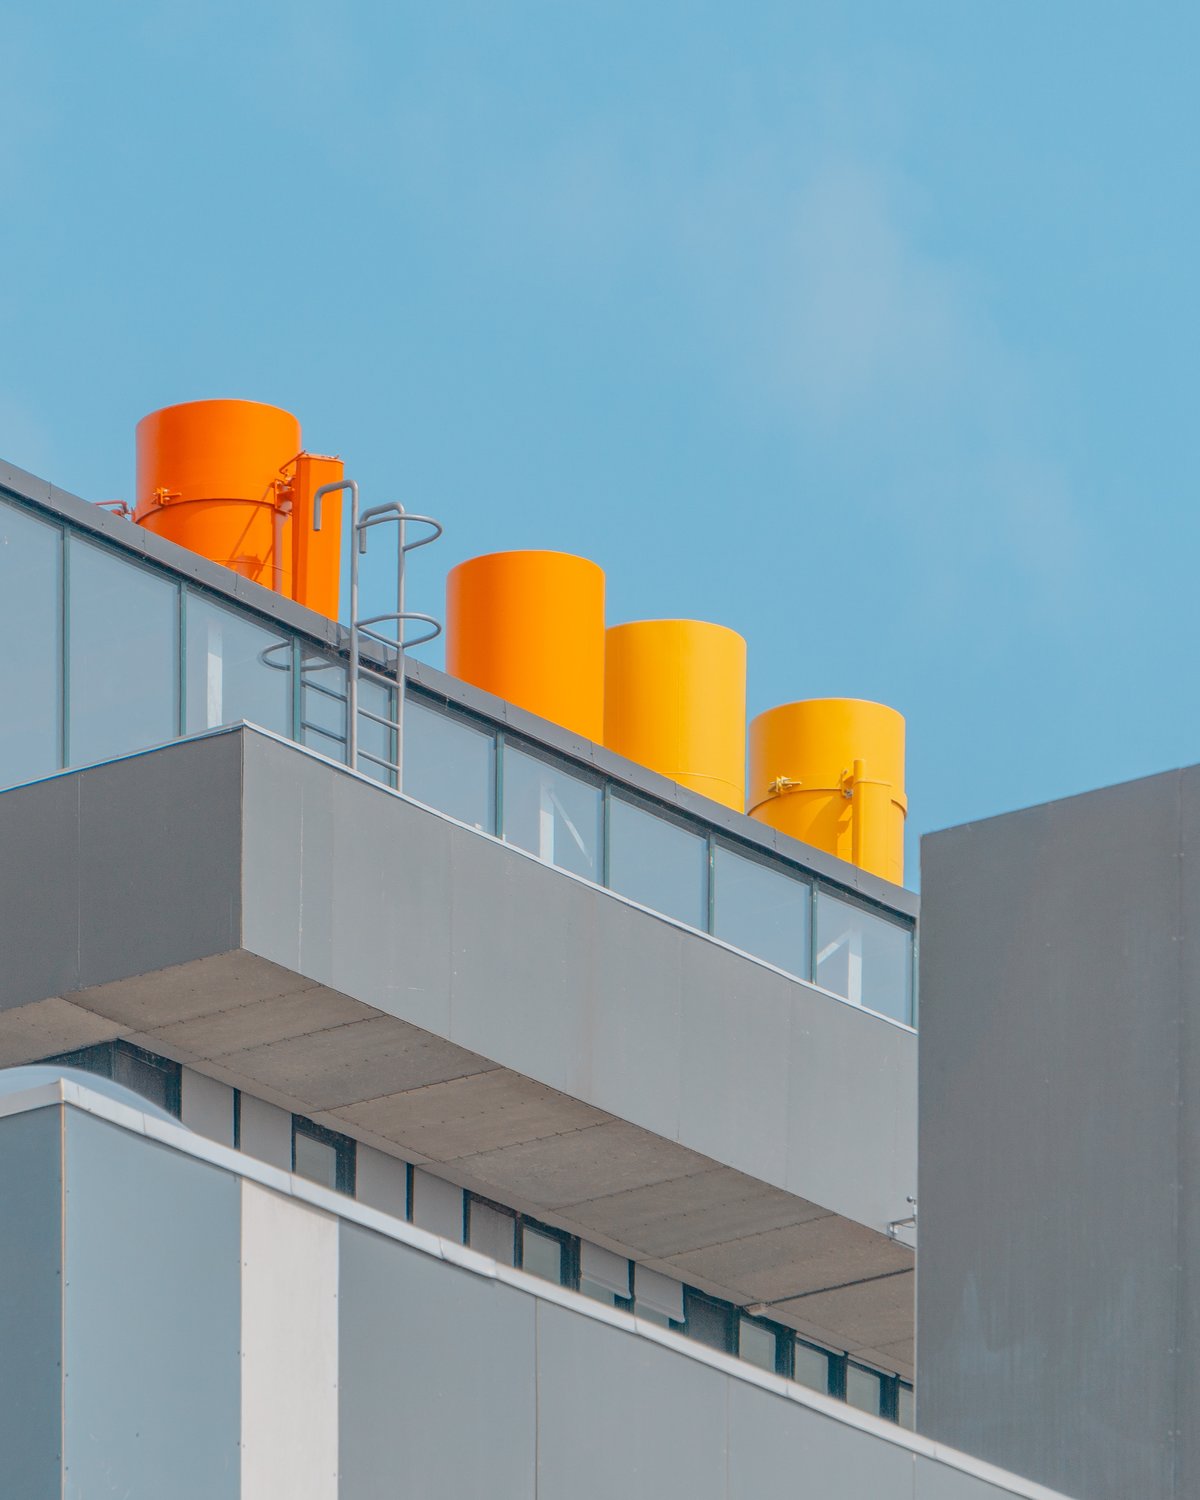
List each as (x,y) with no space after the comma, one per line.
(266,917)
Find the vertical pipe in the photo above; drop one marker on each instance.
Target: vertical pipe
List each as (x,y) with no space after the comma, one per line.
(857,812)
(358,544)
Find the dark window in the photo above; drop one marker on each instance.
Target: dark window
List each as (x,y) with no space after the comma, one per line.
(707,1321)
(155,1078)
(323,1156)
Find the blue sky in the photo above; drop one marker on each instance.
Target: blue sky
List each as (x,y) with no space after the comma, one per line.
(868,330)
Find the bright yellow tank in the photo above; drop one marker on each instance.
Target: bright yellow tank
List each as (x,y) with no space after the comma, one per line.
(830,772)
(675,700)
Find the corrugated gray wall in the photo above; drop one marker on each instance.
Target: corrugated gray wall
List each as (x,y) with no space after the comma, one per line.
(1057,1293)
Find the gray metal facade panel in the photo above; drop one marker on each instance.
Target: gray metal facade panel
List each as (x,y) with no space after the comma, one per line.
(1049,1153)
(120,869)
(31,1330)
(39,890)
(437,1387)
(407,967)
(735,1063)
(777,1447)
(624,1416)
(935,1481)
(166,844)
(507,952)
(852,1101)
(153,1319)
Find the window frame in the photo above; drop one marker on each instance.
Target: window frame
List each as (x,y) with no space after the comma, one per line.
(568,1249)
(345,1149)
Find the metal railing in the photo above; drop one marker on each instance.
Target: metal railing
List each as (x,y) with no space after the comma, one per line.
(360,626)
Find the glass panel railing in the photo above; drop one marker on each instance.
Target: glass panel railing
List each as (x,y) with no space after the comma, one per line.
(863,957)
(552,814)
(450,765)
(762,909)
(657,863)
(119,674)
(31,657)
(122,657)
(235,669)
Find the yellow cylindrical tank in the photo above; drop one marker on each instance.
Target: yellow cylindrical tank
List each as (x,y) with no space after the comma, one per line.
(675,700)
(529,627)
(830,771)
(209,477)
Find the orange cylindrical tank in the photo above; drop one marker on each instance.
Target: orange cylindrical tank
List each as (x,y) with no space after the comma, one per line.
(675,700)
(209,477)
(830,771)
(529,627)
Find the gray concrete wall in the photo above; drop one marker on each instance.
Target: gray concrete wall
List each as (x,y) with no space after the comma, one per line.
(31,1289)
(1057,1298)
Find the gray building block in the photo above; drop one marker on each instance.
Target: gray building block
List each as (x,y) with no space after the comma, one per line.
(1059,1171)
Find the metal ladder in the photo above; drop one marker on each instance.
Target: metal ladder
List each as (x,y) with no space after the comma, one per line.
(361,627)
